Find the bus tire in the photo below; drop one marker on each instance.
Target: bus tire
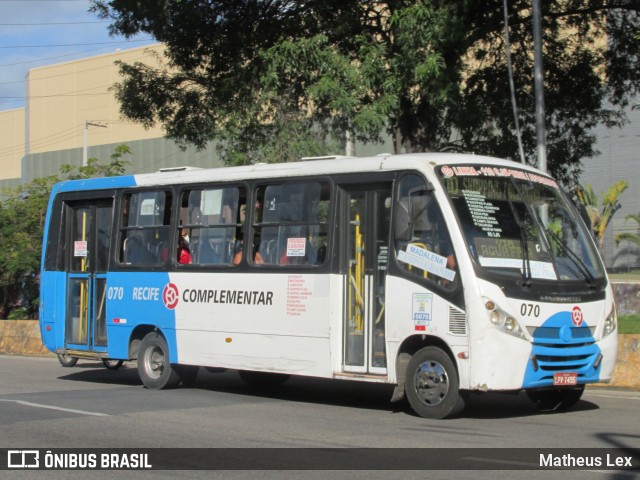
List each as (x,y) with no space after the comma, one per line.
(554,400)
(112,364)
(432,385)
(153,363)
(66,360)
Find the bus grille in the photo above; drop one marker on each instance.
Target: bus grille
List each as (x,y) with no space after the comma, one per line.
(562,349)
(457,322)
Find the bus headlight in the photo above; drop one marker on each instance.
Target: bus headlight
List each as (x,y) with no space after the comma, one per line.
(611,322)
(502,320)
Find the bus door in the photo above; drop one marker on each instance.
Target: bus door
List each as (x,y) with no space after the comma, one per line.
(88,233)
(366,215)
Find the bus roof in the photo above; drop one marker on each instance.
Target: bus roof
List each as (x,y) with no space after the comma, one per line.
(384,162)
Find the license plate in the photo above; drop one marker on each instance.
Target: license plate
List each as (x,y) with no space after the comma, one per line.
(565,378)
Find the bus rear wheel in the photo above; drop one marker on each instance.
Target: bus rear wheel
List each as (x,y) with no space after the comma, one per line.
(553,400)
(153,363)
(112,364)
(432,385)
(66,360)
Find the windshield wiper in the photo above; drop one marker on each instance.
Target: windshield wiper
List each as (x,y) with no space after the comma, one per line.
(526,261)
(575,259)
(524,243)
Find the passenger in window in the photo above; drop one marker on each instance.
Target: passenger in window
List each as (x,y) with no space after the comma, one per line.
(185,235)
(184,254)
(239,245)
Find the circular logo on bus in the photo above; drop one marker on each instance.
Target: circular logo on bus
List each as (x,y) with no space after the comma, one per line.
(447,171)
(576,316)
(170,296)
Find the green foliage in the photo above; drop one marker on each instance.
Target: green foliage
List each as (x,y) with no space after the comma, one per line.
(631,237)
(115,167)
(22,216)
(629,324)
(272,79)
(601,212)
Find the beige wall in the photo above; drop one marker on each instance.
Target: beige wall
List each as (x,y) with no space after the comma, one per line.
(11,143)
(61,97)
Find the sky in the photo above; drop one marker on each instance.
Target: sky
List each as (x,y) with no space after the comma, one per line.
(35,33)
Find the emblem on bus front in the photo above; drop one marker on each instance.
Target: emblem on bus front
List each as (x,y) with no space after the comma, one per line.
(576,316)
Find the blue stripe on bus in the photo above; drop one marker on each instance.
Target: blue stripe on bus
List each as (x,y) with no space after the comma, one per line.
(560,346)
(95,184)
(135,300)
(52,303)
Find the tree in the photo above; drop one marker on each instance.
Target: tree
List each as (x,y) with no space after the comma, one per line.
(601,212)
(631,237)
(22,216)
(261,75)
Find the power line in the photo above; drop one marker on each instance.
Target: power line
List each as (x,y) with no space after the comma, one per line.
(62,56)
(75,72)
(46,23)
(70,44)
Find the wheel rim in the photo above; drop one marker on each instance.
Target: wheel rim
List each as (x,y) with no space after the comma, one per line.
(431,383)
(154,362)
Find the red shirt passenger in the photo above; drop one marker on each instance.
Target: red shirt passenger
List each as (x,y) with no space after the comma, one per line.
(184,255)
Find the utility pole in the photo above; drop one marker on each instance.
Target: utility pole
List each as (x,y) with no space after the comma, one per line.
(350,146)
(85,149)
(541,140)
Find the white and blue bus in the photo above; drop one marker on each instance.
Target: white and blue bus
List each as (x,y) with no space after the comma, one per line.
(440,274)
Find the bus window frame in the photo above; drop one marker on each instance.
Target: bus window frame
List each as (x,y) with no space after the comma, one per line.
(55,252)
(118,244)
(325,181)
(244,188)
(397,268)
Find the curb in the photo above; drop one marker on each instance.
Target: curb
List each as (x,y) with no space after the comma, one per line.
(22,337)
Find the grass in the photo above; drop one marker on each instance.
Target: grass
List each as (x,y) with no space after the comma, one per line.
(629,324)
(633,276)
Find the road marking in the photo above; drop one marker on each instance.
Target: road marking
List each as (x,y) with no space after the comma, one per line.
(61,409)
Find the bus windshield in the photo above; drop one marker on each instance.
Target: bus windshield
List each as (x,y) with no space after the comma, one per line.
(520,224)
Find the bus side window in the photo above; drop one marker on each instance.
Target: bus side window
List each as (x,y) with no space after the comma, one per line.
(293,224)
(422,243)
(210,223)
(144,228)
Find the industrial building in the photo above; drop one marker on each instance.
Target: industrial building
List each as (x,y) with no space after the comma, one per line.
(71,114)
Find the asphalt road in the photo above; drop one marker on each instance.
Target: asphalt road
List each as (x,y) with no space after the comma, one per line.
(43,405)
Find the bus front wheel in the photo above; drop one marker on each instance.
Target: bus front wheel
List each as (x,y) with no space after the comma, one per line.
(432,385)
(153,363)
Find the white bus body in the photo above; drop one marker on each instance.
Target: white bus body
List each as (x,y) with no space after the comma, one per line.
(441,274)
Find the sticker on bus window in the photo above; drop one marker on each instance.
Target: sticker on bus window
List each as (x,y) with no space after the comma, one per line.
(538,269)
(296,247)
(426,260)
(80,248)
(148,207)
(211,202)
